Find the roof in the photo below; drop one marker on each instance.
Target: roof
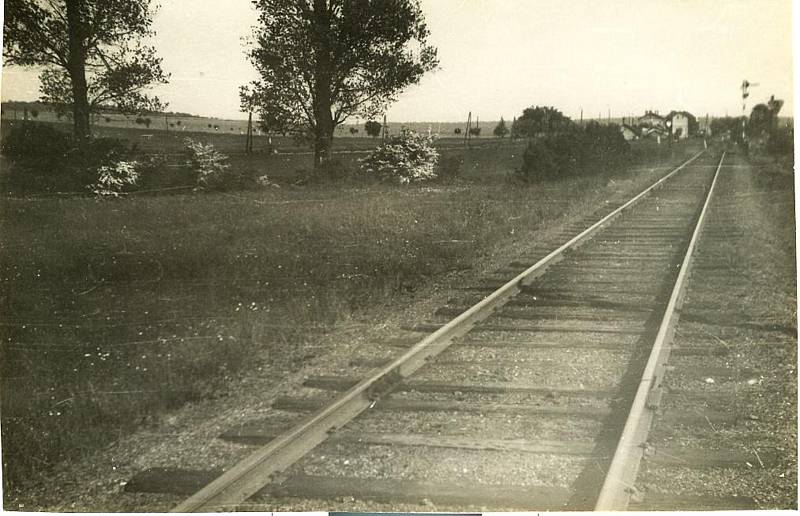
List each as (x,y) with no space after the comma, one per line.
(650,114)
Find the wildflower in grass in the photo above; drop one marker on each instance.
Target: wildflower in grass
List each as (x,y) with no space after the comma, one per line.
(403,159)
(113,179)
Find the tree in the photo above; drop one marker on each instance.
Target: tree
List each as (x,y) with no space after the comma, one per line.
(535,120)
(501,130)
(764,117)
(373,128)
(90,52)
(475,131)
(322,61)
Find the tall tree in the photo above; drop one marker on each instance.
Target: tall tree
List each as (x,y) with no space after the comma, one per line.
(500,129)
(322,61)
(91,52)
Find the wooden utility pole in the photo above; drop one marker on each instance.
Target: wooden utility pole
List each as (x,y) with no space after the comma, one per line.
(248,145)
(469,126)
(385,131)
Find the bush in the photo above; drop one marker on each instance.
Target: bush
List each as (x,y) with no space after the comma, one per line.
(211,167)
(36,142)
(607,145)
(47,160)
(403,159)
(538,162)
(576,151)
(114,179)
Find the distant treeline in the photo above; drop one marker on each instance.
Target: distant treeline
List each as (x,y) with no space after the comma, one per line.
(35,106)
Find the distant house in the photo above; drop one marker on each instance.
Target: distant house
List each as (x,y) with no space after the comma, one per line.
(653,132)
(680,124)
(652,120)
(629,132)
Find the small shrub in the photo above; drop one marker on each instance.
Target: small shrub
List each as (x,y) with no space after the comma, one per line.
(211,167)
(115,179)
(403,159)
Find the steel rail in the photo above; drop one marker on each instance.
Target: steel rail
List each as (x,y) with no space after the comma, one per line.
(254,472)
(618,486)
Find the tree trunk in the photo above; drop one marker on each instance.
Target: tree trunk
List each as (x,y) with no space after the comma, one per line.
(323,141)
(323,76)
(77,71)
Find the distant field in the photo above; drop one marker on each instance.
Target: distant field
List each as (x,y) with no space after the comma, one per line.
(218,126)
(486,158)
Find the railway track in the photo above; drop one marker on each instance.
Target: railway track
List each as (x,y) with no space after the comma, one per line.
(530,394)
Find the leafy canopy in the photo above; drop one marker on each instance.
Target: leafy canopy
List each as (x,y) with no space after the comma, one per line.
(352,57)
(373,128)
(500,129)
(104,36)
(538,119)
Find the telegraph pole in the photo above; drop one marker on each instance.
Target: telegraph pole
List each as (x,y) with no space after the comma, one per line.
(469,126)
(248,146)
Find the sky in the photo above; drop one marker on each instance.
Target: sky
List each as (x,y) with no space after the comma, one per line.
(499,56)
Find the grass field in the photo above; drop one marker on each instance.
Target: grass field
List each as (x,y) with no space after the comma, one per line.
(112,312)
(482,161)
